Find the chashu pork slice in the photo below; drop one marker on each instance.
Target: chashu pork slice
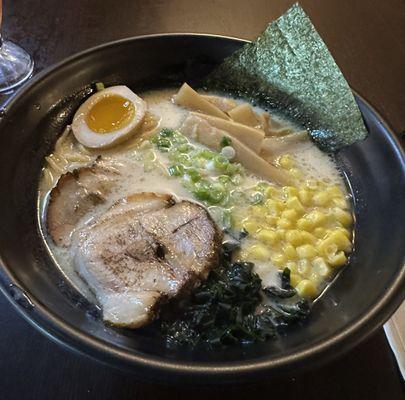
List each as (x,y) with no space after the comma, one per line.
(75,194)
(144,251)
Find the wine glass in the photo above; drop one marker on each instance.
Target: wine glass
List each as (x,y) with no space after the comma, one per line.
(16,65)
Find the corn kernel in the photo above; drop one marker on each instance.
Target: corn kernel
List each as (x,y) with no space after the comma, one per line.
(258,211)
(294,237)
(336,238)
(267,236)
(259,252)
(345,232)
(334,191)
(278,260)
(290,191)
(305,224)
(338,259)
(284,223)
(344,217)
(320,199)
(315,278)
(305,196)
(321,268)
(320,232)
(291,215)
(271,220)
(306,288)
(311,184)
(341,202)
(322,184)
(290,252)
(286,161)
(292,266)
(328,250)
(273,193)
(306,251)
(251,226)
(293,203)
(295,173)
(304,267)
(279,205)
(295,279)
(316,217)
(270,204)
(274,206)
(280,234)
(307,237)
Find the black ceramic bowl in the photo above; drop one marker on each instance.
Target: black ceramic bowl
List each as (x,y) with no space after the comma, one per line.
(359,301)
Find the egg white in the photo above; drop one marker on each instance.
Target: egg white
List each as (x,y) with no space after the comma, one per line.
(95,140)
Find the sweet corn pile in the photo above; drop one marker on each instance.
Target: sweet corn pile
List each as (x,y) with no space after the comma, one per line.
(305,227)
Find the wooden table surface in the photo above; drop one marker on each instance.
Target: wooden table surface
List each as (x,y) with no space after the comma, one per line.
(367,39)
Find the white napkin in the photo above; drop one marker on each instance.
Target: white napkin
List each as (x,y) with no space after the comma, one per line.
(395,331)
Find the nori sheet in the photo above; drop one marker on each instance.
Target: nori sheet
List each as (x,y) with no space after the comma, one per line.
(289,68)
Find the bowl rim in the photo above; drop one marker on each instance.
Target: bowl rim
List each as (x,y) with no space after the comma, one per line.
(55,328)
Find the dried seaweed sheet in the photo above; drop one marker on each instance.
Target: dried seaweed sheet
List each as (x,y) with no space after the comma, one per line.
(289,68)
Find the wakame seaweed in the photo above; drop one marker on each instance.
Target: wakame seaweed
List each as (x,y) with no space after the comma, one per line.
(224,310)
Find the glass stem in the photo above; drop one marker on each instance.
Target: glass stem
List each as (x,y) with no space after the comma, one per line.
(1,23)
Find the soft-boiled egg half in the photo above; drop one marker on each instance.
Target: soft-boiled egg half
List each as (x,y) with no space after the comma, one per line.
(108,117)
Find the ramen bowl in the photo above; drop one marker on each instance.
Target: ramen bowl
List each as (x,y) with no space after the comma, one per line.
(358,302)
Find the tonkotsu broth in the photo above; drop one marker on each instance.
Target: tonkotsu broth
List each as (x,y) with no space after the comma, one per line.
(142,173)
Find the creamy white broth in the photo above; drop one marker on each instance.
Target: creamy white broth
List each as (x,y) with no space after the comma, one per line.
(151,175)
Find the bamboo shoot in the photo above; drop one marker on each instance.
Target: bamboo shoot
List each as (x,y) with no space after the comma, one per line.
(276,146)
(251,137)
(189,98)
(245,115)
(223,103)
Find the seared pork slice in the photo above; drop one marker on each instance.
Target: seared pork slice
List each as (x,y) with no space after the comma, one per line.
(75,194)
(184,232)
(144,251)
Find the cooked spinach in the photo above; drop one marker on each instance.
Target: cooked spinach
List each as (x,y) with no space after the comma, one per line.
(224,310)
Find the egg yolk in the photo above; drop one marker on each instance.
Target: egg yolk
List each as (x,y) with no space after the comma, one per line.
(110,113)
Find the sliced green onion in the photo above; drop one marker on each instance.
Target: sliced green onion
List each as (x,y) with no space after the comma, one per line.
(202,190)
(217,193)
(206,154)
(100,86)
(236,179)
(262,186)
(221,163)
(184,148)
(166,132)
(237,196)
(176,170)
(198,168)
(180,158)
(194,175)
(163,144)
(225,141)
(256,198)
(224,179)
(232,168)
